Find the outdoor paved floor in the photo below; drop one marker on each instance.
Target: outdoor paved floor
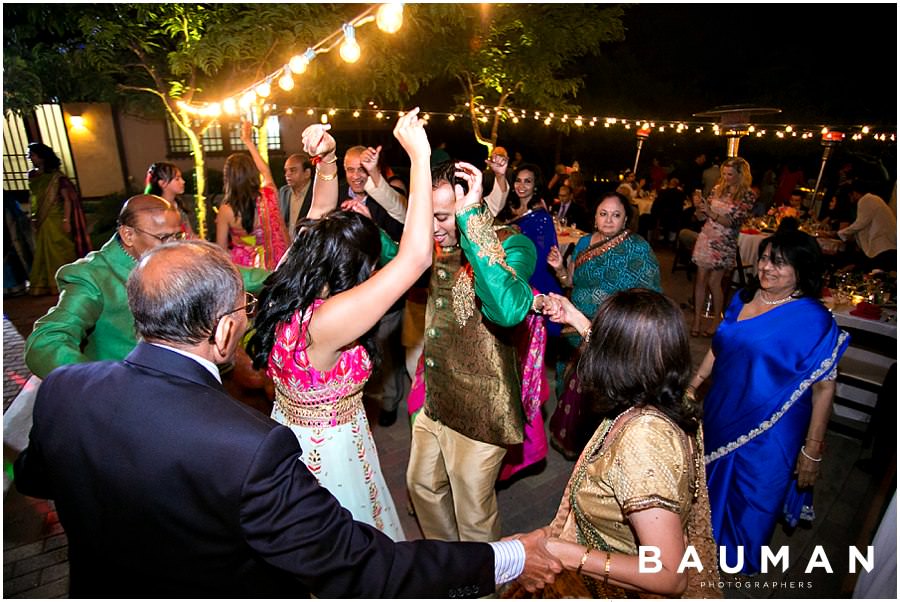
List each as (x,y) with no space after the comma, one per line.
(849,502)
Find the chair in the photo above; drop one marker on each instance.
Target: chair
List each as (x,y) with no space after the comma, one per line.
(865,398)
(682,258)
(735,279)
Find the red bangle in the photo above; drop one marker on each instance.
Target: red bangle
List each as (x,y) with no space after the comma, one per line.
(318,159)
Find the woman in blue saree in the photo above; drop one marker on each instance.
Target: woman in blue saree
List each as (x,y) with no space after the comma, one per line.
(773,362)
(526,210)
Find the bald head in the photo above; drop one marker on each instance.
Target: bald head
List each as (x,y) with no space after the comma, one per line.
(143,203)
(145,222)
(179,291)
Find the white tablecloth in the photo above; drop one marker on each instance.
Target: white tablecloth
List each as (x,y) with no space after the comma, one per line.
(844,318)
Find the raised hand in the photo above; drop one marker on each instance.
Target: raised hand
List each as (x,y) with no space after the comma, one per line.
(247,133)
(317,141)
(472,176)
(498,164)
(554,258)
(410,132)
(369,159)
(541,567)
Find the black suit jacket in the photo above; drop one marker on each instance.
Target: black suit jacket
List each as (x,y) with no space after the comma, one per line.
(167,487)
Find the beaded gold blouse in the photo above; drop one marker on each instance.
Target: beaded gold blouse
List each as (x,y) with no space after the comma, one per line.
(638,461)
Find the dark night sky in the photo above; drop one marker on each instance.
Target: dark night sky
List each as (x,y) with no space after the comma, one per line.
(819,63)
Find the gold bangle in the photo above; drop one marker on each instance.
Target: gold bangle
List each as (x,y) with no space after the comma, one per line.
(585,335)
(325,177)
(606,570)
(333,159)
(587,552)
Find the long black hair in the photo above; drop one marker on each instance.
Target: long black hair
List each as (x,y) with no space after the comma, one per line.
(339,250)
(513,202)
(639,355)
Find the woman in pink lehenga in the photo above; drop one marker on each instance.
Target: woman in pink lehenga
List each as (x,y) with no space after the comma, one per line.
(314,330)
(249,223)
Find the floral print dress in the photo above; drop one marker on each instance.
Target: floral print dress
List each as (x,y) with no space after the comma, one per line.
(716,247)
(324,409)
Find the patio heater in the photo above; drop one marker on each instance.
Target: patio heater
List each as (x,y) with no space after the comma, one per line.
(642,134)
(830,139)
(735,120)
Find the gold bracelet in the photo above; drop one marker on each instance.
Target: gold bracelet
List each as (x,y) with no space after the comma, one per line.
(587,552)
(325,177)
(606,570)
(585,335)
(333,160)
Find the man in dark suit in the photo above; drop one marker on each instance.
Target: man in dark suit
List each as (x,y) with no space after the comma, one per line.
(168,487)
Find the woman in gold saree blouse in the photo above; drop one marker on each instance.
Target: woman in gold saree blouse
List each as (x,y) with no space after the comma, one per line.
(640,480)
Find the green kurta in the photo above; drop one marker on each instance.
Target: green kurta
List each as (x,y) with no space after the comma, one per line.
(478,294)
(92,321)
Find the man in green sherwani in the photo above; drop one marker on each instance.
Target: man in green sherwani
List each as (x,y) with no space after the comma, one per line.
(477,297)
(91,321)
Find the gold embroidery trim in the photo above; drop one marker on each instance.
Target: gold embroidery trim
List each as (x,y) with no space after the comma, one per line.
(463,294)
(480,231)
(317,410)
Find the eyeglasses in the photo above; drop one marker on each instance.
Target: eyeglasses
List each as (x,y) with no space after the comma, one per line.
(251,302)
(163,238)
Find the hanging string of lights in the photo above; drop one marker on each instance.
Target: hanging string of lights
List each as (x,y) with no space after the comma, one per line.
(516,116)
(388,17)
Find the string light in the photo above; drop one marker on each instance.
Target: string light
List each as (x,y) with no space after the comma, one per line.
(350,47)
(389,17)
(286,82)
(758,131)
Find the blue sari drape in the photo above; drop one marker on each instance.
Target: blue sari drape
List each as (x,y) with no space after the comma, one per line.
(756,416)
(537,225)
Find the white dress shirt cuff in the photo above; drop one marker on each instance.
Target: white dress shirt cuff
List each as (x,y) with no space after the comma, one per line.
(509,560)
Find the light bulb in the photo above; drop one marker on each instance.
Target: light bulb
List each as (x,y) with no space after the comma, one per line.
(298,64)
(215,109)
(230,106)
(263,90)
(247,100)
(349,48)
(286,82)
(389,17)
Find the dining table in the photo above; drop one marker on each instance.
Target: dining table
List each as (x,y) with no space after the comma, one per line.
(567,235)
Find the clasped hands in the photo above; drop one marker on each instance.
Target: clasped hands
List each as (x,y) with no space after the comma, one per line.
(541,567)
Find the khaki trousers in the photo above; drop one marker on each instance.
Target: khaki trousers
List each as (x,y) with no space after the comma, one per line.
(451,482)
